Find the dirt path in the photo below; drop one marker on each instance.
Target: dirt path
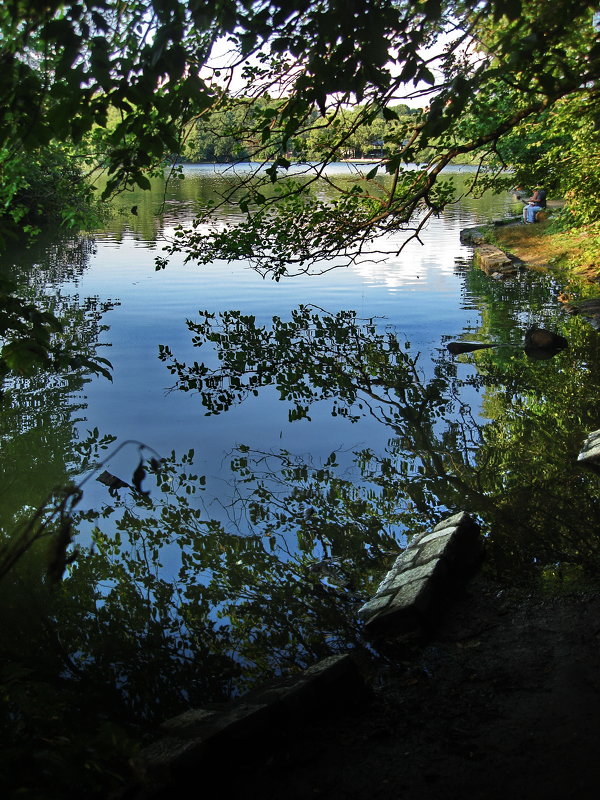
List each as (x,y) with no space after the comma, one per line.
(503,702)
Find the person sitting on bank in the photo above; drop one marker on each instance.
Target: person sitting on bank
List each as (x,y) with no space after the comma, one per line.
(535,203)
(530,210)
(539,196)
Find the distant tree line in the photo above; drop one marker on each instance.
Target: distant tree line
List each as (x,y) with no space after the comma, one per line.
(235,133)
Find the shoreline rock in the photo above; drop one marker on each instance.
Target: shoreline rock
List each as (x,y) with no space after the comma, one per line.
(590,309)
(423,577)
(491,259)
(494,261)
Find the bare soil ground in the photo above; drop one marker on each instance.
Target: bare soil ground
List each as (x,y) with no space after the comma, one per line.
(540,251)
(502,701)
(528,243)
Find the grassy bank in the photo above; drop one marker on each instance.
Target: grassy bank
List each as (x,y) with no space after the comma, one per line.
(574,254)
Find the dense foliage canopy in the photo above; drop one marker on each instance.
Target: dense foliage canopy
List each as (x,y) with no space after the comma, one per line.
(122,81)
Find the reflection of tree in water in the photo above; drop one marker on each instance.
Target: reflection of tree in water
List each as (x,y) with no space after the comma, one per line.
(546,506)
(40,681)
(540,412)
(281,586)
(517,471)
(170,608)
(39,412)
(48,262)
(508,308)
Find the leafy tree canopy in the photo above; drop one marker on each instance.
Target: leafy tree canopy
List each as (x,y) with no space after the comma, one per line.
(483,71)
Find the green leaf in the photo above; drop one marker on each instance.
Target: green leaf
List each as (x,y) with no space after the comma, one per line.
(143,182)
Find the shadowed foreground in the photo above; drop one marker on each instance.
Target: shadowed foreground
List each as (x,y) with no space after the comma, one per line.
(501,702)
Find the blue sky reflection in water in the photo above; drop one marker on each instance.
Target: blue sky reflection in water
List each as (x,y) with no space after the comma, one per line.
(419,293)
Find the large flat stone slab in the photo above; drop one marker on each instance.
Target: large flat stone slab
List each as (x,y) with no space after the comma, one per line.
(589,455)
(493,261)
(199,739)
(432,567)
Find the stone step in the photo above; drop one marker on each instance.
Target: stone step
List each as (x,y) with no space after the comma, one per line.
(433,566)
(493,260)
(201,740)
(590,452)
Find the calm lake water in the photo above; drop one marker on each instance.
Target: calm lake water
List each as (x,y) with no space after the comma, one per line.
(421,294)
(279,529)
